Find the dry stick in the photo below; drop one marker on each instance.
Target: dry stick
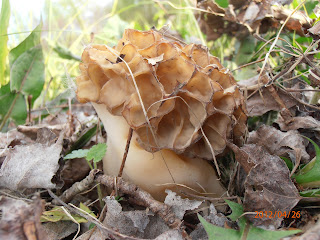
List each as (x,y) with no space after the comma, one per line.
(92,219)
(248,64)
(142,198)
(209,198)
(125,154)
(29,107)
(77,188)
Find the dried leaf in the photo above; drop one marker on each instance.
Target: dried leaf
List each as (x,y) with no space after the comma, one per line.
(296,123)
(179,205)
(268,187)
(31,166)
(279,143)
(132,224)
(257,105)
(59,230)
(20,220)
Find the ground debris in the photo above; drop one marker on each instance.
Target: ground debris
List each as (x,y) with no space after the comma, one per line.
(33,165)
(20,219)
(268,186)
(280,143)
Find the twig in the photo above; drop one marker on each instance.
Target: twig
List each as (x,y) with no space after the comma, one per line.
(248,64)
(125,154)
(77,188)
(142,198)
(208,198)
(92,219)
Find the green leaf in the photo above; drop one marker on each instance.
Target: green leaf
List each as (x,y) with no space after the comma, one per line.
(66,53)
(288,162)
(309,175)
(27,72)
(4,22)
(91,226)
(84,139)
(58,214)
(19,109)
(81,153)
(310,193)
(222,3)
(86,209)
(31,41)
(259,233)
(219,233)
(97,152)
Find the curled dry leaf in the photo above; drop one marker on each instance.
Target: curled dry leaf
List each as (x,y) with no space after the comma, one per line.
(183,88)
(280,143)
(268,186)
(296,123)
(20,220)
(33,165)
(178,205)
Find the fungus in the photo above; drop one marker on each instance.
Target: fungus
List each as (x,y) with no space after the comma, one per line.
(181,103)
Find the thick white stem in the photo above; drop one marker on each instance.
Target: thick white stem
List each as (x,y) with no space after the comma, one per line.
(151,171)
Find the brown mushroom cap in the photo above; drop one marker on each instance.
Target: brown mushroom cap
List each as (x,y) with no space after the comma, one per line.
(183,89)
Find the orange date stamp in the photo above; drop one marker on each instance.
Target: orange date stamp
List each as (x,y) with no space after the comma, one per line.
(277,214)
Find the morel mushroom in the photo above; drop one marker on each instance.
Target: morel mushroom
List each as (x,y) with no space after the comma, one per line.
(181,103)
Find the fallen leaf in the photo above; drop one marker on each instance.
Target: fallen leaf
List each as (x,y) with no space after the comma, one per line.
(131,224)
(59,230)
(296,123)
(215,218)
(280,143)
(179,205)
(31,166)
(20,219)
(268,187)
(257,105)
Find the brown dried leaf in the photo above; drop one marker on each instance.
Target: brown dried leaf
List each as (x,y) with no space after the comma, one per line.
(268,187)
(296,123)
(257,105)
(33,165)
(20,220)
(279,143)
(315,31)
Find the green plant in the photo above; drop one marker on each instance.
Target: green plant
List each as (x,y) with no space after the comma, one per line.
(95,154)
(26,79)
(309,175)
(245,228)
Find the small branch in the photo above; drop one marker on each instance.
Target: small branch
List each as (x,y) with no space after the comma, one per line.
(125,154)
(77,188)
(142,198)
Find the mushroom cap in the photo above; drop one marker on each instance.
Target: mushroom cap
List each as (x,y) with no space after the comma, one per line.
(183,89)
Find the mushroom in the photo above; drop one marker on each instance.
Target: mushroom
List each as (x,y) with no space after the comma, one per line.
(182,105)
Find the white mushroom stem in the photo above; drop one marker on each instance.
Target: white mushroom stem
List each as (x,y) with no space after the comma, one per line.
(151,171)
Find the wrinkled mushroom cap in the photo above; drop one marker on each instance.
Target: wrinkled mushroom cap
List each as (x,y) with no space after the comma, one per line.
(183,88)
